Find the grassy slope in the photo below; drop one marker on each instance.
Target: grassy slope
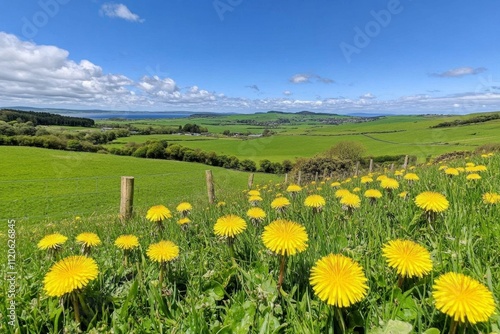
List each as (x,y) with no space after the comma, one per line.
(412,135)
(39,182)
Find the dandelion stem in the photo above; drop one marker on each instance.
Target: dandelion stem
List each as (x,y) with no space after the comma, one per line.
(162,273)
(400,281)
(76,308)
(230,242)
(282,271)
(340,318)
(453,326)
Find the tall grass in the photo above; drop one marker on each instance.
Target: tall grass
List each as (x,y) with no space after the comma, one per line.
(206,293)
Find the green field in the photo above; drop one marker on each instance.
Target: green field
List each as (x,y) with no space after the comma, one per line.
(39,183)
(212,287)
(392,135)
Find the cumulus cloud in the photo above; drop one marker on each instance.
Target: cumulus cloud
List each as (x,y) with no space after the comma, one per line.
(44,75)
(459,72)
(307,78)
(119,11)
(368,96)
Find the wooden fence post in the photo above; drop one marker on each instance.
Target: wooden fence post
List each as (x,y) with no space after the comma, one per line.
(126,197)
(250,181)
(392,167)
(316,177)
(371,166)
(406,162)
(357,169)
(299,177)
(210,186)
(286,178)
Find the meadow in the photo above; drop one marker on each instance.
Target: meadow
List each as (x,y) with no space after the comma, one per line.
(229,284)
(306,136)
(40,184)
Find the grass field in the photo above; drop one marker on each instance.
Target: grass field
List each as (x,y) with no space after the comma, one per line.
(386,136)
(210,289)
(40,183)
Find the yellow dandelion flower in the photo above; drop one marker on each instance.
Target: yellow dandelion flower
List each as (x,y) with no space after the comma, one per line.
(398,173)
(341,193)
(373,193)
(335,184)
(52,241)
(254,199)
(411,177)
(158,213)
(473,176)
(221,204)
(253,193)
(348,180)
(451,171)
(88,239)
(69,274)
(356,190)
(491,198)
(127,241)
(338,280)
(183,221)
(280,203)
(285,237)
(407,257)
(389,183)
(403,194)
(163,251)
(460,169)
(366,179)
(293,188)
(432,201)
(381,177)
(442,167)
(184,207)
(470,164)
(463,298)
(351,201)
(480,168)
(229,226)
(315,201)
(256,213)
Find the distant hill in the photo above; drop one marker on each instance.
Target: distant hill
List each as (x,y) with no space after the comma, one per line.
(44,118)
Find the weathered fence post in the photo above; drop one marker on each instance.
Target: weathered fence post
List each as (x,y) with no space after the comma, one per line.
(406,162)
(357,169)
(316,177)
(371,166)
(126,197)
(286,178)
(324,173)
(250,181)
(392,167)
(299,177)
(210,186)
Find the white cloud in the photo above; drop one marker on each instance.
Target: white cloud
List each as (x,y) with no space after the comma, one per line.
(45,76)
(119,11)
(368,96)
(306,78)
(459,72)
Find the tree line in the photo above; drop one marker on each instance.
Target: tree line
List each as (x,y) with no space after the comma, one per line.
(44,118)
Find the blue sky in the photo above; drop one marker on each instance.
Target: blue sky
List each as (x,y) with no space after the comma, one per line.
(395,56)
